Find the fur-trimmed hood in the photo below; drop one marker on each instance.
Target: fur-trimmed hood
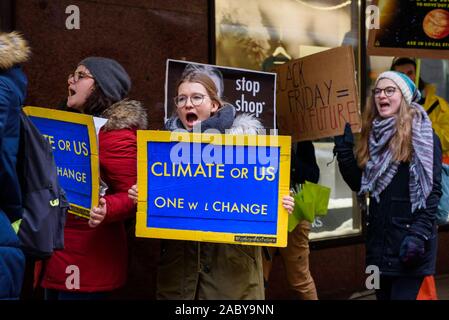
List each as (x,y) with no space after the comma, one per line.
(125,114)
(14,49)
(246,123)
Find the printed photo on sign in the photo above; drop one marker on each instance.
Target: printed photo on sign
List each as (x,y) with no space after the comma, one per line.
(73,140)
(248,91)
(214,188)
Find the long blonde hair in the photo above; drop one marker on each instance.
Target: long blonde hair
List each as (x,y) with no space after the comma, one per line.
(400,144)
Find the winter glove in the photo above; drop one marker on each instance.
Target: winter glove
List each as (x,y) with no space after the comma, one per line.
(346,140)
(344,144)
(412,249)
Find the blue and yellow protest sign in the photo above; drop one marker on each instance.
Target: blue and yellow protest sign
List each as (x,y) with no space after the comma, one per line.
(213,187)
(74,143)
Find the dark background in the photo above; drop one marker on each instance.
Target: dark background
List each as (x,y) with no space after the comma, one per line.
(406,24)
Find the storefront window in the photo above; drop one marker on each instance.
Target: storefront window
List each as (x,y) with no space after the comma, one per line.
(249,33)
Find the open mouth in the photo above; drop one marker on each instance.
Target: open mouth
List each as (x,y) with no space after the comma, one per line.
(71,92)
(384,105)
(191,118)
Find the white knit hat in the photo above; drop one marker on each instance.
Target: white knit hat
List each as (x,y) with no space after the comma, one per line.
(407,87)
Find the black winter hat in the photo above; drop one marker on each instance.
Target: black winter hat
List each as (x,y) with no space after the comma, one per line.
(110,76)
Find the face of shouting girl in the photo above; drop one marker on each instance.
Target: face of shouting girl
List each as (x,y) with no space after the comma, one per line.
(81,84)
(194,104)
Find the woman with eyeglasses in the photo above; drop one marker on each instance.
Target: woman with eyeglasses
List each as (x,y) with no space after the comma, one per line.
(398,164)
(94,260)
(201,270)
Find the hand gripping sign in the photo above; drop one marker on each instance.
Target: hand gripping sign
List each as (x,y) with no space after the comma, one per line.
(213,187)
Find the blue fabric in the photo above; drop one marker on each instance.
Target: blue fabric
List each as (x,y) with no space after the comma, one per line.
(443,205)
(412,250)
(12,261)
(399,288)
(51,294)
(13,85)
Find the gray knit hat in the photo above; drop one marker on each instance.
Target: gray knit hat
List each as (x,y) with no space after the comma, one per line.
(407,87)
(110,76)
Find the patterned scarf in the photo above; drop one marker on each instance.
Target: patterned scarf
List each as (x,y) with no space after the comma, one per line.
(381,168)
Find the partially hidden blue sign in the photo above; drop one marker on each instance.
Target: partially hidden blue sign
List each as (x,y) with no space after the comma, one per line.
(212,187)
(73,140)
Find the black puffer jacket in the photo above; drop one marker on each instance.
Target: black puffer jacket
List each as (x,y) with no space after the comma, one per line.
(390,220)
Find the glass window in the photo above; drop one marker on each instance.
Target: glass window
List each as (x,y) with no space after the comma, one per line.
(343,217)
(250,33)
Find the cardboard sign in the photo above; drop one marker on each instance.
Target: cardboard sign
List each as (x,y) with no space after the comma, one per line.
(415,28)
(212,187)
(247,90)
(317,95)
(74,143)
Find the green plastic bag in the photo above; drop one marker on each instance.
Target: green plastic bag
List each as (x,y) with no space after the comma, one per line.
(311,200)
(321,195)
(15,225)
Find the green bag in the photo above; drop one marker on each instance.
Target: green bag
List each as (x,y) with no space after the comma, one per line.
(15,225)
(311,200)
(321,195)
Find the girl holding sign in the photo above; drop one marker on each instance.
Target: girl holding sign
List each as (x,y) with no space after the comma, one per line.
(202,270)
(399,165)
(95,257)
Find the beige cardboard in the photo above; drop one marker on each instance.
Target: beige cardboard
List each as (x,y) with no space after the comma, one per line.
(316,95)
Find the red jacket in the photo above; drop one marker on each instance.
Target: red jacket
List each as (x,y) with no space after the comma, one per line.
(101,253)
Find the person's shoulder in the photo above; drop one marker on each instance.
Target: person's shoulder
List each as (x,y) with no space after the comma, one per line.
(125,114)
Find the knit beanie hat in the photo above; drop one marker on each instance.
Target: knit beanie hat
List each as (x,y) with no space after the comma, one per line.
(404,83)
(110,76)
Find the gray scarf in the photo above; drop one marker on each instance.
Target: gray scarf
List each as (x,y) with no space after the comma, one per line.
(381,168)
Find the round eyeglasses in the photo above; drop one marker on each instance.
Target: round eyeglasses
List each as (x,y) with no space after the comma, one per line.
(196,100)
(389,91)
(79,76)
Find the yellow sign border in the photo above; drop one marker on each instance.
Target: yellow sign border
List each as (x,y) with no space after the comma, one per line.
(88,121)
(284,142)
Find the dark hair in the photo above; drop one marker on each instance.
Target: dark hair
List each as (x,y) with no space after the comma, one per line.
(400,61)
(97,102)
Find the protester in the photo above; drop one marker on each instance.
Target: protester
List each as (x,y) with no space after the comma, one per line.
(201,270)
(13,84)
(399,166)
(296,255)
(97,247)
(436,107)
(438,111)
